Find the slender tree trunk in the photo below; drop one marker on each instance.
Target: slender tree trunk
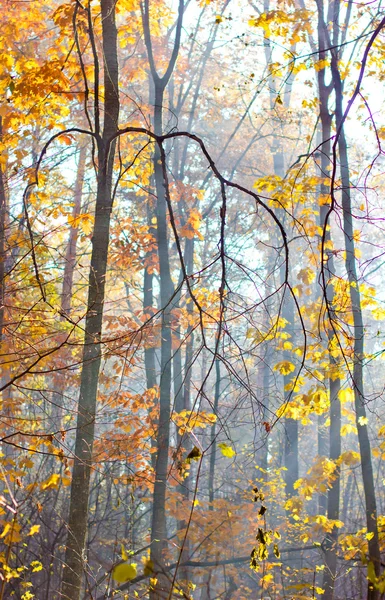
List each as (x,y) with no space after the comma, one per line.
(3,216)
(322,451)
(333,497)
(158,525)
(158,528)
(291,425)
(213,433)
(205,593)
(70,258)
(78,511)
(186,442)
(359,333)
(148,307)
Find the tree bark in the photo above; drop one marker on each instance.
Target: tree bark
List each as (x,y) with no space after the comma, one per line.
(358,328)
(74,563)
(3,215)
(333,497)
(158,528)
(70,258)
(158,525)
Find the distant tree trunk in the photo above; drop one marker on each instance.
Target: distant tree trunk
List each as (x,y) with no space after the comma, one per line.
(213,433)
(333,496)
(70,258)
(266,373)
(158,529)
(291,425)
(188,365)
(358,327)
(205,593)
(148,308)
(3,216)
(148,285)
(322,450)
(158,525)
(78,510)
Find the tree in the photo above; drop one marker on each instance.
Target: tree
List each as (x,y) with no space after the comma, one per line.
(78,509)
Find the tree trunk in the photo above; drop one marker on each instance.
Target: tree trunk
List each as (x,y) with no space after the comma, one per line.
(186,442)
(291,425)
(333,497)
(213,433)
(205,593)
(70,258)
(358,342)
(78,511)
(158,525)
(158,528)
(3,215)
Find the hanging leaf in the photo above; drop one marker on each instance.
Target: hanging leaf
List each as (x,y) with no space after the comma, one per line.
(226,450)
(195,454)
(124,572)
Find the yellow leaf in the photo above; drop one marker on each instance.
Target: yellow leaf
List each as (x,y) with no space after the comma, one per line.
(6,530)
(148,566)
(350,457)
(346,395)
(51,483)
(124,572)
(284,367)
(226,450)
(124,553)
(378,314)
(307,276)
(85,222)
(348,428)
(36,566)
(34,529)
(363,420)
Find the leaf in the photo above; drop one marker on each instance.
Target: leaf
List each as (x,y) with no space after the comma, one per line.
(363,420)
(148,566)
(84,221)
(226,450)
(124,572)
(36,566)
(123,553)
(195,454)
(34,529)
(346,395)
(371,572)
(284,367)
(307,276)
(6,530)
(51,483)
